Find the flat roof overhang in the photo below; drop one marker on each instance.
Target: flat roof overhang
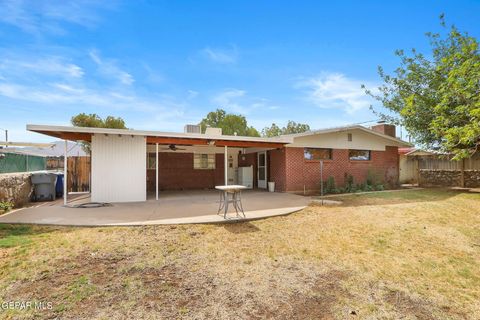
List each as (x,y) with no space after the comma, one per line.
(153,137)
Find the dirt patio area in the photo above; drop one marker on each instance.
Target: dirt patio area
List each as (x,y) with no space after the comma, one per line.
(172,208)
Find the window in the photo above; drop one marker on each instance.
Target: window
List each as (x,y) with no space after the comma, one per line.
(362,155)
(151,161)
(349,137)
(317,154)
(203,161)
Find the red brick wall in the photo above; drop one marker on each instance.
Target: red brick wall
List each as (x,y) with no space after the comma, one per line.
(276,168)
(388,129)
(300,172)
(286,167)
(175,172)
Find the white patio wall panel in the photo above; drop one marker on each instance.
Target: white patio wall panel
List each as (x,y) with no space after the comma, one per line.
(119,168)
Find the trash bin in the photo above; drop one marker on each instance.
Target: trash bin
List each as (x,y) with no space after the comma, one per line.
(44,185)
(59,185)
(271,186)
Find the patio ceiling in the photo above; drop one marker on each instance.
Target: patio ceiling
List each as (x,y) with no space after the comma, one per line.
(153,137)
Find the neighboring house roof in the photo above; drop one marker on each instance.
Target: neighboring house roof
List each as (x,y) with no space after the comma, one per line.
(405,150)
(416,152)
(83,133)
(56,150)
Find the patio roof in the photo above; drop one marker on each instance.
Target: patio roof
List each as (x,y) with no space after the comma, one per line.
(85,134)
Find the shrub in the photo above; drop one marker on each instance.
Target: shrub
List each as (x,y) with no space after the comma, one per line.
(379,187)
(349,183)
(329,185)
(5,206)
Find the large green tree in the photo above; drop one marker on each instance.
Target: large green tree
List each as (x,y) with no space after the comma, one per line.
(291,127)
(231,124)
(436,97)
(95,121)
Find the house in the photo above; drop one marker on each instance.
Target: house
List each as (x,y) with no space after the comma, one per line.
(129,164)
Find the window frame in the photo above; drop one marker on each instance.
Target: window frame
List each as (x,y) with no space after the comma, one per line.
(149,157)
(210,159)
(362,150)
(330,152)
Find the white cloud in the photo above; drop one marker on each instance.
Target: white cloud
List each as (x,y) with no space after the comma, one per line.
(228,99)
(51,66)
(109,68)
(192,94)
(335,90)
(38,17)
(222,56)
(237,101)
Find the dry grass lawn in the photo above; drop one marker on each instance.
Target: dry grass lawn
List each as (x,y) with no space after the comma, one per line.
(398,255)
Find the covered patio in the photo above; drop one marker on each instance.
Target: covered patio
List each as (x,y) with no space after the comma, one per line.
(130,165)
(174,207)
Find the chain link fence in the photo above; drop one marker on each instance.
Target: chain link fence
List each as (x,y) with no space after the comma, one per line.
(14,162)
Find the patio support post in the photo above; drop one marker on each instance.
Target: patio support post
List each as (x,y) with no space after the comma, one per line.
(226,165)
(156,171)
(65,166)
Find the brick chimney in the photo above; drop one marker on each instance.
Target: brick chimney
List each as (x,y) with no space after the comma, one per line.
(388,129)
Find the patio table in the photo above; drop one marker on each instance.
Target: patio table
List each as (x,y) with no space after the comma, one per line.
(235,198)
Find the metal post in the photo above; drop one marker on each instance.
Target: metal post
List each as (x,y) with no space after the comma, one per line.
(321,178)
(226,165)
(65,179)
(156,171)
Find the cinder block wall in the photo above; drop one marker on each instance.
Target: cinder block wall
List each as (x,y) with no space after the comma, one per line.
(301,172)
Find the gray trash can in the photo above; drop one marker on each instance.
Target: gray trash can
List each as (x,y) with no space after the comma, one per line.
(44,185)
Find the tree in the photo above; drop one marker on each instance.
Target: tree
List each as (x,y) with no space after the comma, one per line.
(292,127)
(95,121)
(231,124)
(437,99)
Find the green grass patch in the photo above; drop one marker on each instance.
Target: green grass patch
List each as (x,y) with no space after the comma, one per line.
(14,236)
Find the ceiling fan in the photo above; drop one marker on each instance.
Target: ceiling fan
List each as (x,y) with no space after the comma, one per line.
(173,147)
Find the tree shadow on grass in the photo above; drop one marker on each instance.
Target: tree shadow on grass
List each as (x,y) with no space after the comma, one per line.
(240,227)
(403,196)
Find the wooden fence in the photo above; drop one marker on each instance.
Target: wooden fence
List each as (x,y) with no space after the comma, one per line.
(446,163)
(78,172)
(410,166)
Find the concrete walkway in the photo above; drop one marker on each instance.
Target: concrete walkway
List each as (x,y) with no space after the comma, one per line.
(182,207)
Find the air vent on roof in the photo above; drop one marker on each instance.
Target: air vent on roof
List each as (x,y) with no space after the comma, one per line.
(213,131)
(192,128)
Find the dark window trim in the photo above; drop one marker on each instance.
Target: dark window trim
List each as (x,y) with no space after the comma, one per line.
(313,160)
(369,155)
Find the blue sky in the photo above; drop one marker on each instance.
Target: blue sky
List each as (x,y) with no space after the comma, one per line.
(162,64)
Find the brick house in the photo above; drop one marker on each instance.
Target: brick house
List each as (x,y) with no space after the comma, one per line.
(129,164)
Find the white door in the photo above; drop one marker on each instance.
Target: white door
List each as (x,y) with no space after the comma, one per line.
(262,169)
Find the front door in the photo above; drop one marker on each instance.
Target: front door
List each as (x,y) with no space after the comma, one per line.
(262,169)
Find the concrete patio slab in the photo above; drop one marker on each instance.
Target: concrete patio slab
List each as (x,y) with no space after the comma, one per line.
(182,207)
